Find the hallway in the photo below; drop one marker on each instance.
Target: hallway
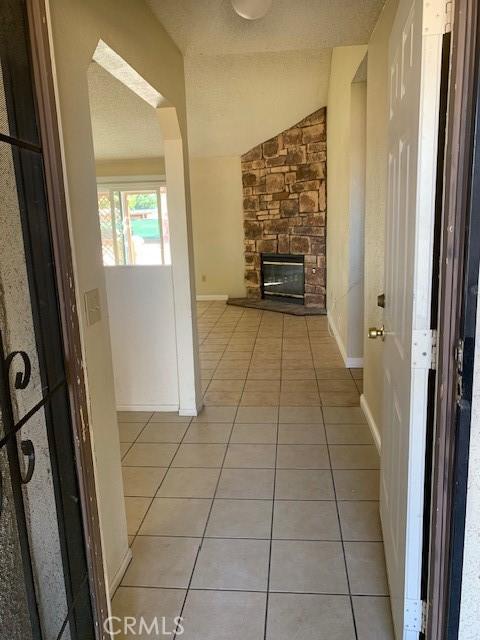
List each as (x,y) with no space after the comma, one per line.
(258,518)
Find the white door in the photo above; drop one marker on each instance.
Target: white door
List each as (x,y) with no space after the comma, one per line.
(414,65)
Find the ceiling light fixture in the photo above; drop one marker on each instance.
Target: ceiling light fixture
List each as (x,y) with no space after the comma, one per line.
(251,9)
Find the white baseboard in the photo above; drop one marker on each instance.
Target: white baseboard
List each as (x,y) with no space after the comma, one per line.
(336,335)
(354,363)
(170,408)
(147,407)
(190,411)
(371,422)
(117,578)
(222,297)
(350,363)
(193,407)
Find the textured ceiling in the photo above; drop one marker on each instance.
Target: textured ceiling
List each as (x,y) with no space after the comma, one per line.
(124,126)
(236,101)
(212,26)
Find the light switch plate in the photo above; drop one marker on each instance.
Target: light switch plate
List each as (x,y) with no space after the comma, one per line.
(92,306)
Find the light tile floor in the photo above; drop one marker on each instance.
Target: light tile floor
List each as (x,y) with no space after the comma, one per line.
(258,519)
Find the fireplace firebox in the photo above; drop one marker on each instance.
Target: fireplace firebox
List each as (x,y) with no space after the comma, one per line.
(283,277)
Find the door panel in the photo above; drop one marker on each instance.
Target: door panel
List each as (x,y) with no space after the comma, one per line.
(414,63)
(39,533)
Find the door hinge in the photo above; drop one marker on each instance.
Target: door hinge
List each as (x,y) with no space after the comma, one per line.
(424,617)
(416,615)
(433,350)
(424,349)
(448,16)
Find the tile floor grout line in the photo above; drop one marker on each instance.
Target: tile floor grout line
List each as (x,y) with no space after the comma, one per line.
(215,368)
(316,379)
(249,364)
(207,519)
(205,537)
(225,348)
(269,570)
(246,499)
(245,380)
(211,379)
(122,456)
(157,490)
(294,593)
(343,549)
(136,466)
(135,440)
(247,424)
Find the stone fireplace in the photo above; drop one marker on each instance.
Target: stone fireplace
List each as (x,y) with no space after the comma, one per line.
(284,204)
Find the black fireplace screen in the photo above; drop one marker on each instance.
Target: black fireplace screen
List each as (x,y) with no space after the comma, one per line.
(283,276)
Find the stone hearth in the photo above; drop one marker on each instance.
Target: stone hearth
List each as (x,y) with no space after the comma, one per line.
(285,203)
(277,306)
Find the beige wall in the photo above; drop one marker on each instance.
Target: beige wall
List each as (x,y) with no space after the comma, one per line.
(216,186)
(157,60)
(356,224)
(340,278)
(375,202)
(130,167)
(260,94)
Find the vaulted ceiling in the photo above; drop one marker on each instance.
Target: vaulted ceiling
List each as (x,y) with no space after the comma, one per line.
(245,80)
(124,126)
(212,27)
(248,80)
(235,102)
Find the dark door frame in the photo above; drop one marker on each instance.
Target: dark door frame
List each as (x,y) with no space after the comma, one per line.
(456,327)
(65,277)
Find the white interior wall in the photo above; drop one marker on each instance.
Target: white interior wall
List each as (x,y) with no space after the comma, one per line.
(156,58)
(358,115)
(183,272)
(343,293)
(217,215)
(142,331)
(128,139)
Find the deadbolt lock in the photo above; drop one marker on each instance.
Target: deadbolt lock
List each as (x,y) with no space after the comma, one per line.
(376,332)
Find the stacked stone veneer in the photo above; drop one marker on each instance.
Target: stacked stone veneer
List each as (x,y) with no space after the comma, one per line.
(285,203)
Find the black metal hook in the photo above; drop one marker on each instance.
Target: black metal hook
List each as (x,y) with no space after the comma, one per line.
(22,378)
(28,450)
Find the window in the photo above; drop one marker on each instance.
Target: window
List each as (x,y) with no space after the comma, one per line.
(134,225)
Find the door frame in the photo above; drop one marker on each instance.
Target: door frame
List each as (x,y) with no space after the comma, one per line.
(452,421)
(74,362)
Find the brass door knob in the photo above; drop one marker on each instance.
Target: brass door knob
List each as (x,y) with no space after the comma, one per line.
(376,332)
